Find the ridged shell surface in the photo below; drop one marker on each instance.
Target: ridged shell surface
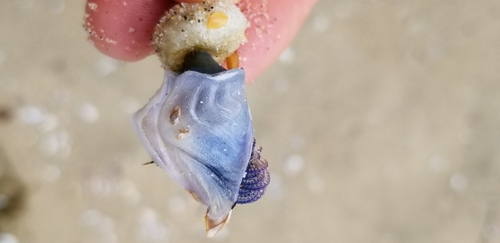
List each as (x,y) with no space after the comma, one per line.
(198,128)
(256,179)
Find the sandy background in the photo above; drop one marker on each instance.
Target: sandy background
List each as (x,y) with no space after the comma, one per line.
(381,123)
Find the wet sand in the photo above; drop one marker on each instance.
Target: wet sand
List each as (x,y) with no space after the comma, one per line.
(381,123)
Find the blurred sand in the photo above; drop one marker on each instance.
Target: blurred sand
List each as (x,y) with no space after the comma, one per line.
(381,123)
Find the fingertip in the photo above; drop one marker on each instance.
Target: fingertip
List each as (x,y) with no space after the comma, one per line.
(123,29)
(273,24)
(189,1)
(128,54)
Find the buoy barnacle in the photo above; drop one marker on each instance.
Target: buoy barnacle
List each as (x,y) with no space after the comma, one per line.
(197,126)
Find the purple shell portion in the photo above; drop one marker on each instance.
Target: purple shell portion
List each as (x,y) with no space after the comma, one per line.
(257,178)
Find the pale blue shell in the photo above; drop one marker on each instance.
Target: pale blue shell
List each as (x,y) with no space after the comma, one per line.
(210,159)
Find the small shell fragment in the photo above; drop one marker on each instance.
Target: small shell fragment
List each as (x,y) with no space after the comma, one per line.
(256,179)
(174,116)
(233,61)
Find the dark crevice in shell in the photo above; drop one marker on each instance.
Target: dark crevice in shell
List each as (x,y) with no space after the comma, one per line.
(257,178)
(202,62)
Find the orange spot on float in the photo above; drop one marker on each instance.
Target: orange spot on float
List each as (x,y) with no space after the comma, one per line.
(217,20)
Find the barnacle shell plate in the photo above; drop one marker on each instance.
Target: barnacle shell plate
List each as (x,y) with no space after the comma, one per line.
(198,128)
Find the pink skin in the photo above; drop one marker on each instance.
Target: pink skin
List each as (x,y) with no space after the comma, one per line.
(123,29)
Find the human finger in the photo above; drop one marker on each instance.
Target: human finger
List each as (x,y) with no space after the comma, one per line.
(273,25)
(123,29)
